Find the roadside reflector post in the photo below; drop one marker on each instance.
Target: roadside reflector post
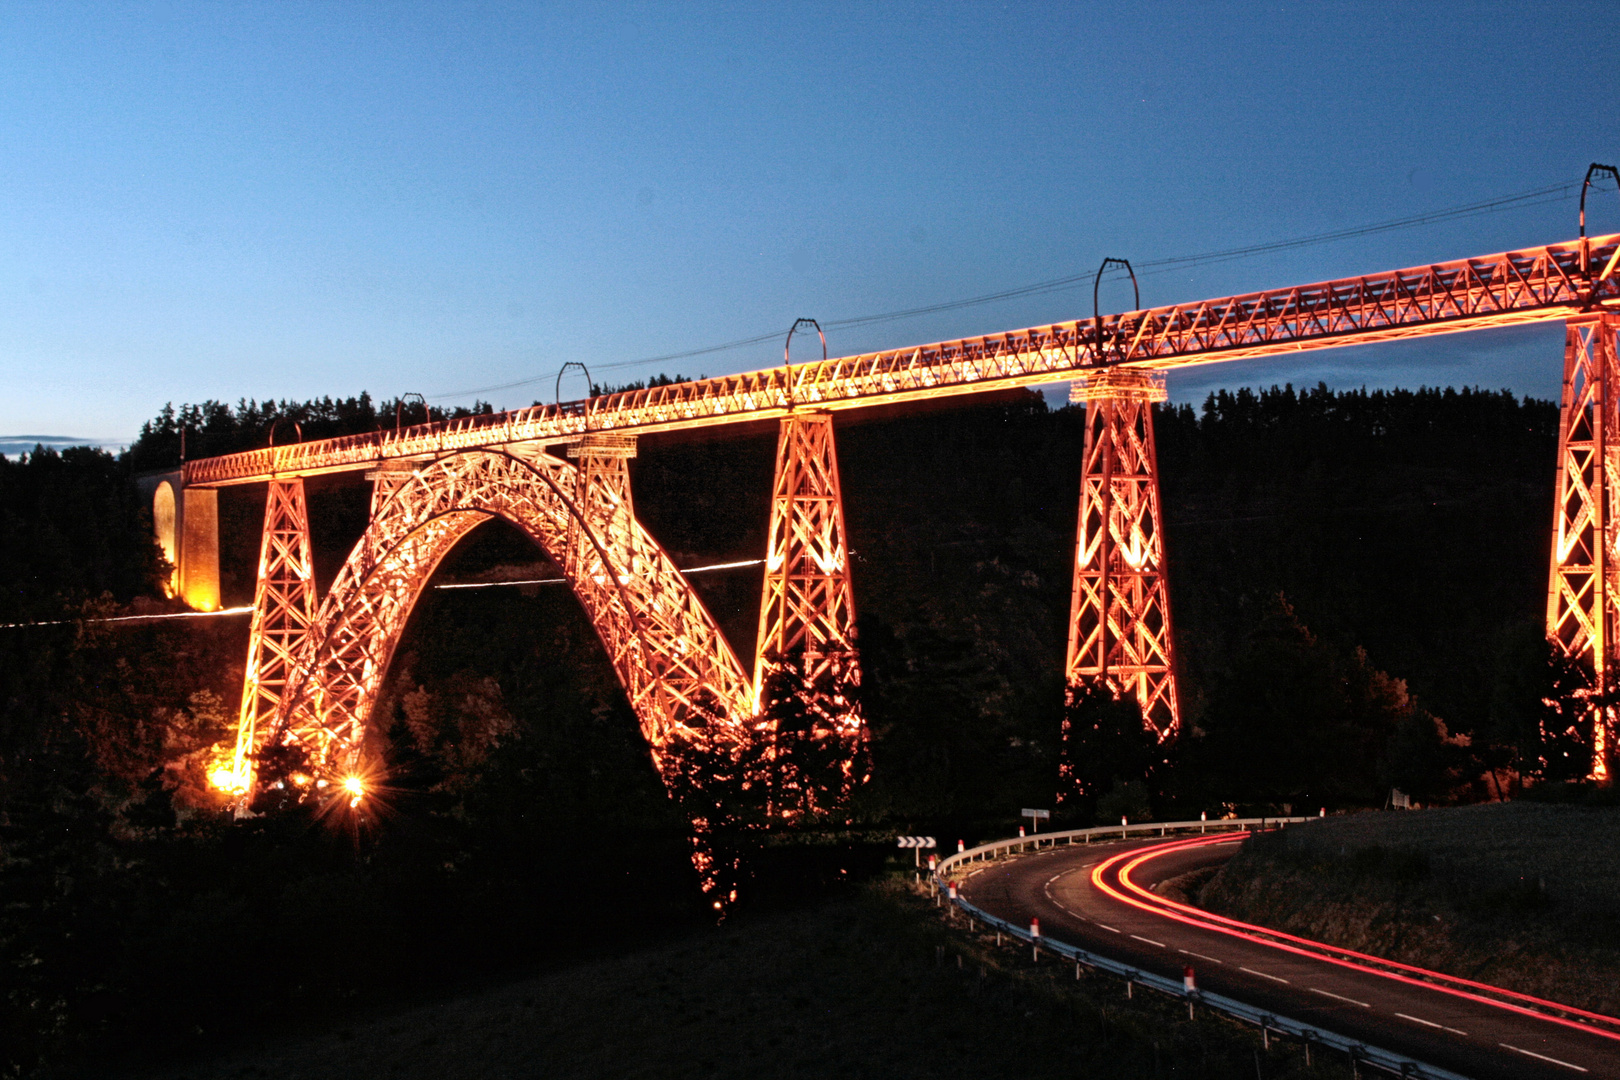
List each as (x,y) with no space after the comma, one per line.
(1035,938)
(1130,984)
(1122,826)
(1020,832)
(1203,819)
(1320,813)
(1189,981)
(960,847)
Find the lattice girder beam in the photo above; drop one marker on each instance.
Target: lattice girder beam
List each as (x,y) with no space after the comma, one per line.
(806,647)
(1119,615)
(1508,289)
(682,679)
(1583,590)
(283,612)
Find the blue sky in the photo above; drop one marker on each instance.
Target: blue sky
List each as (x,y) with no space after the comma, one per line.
(226,201)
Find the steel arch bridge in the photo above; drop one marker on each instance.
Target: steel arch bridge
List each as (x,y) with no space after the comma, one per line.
(314,671)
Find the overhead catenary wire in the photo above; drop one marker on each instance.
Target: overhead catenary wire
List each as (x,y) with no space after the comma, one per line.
(248,609)
(1542,196)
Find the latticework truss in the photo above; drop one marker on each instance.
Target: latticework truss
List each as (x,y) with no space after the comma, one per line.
(682,678)
(806,666)
(1583,594)
(1119,616)
(1511,288)
(283,611)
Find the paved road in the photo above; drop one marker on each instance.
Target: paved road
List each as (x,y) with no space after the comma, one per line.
(1080,897)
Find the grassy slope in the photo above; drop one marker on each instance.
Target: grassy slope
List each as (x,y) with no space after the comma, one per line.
(1524,895)
(854,987)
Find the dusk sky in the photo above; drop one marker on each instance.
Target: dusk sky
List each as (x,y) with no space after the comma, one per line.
(229,200)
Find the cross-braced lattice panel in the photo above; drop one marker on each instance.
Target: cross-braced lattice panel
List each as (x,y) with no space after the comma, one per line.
(1584,583)
(1119,618)
(806,666)
(682,679)
(283,611)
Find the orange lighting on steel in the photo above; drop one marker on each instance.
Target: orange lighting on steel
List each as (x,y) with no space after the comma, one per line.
(1119,613)
(1583,590)
(1507,289)
(437,481)
(283,612)
(807,608)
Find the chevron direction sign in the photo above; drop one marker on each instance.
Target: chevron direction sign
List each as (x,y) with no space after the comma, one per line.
(917,843)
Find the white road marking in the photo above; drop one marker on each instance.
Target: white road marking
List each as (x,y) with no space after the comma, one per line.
(1149,940)
(1337,997)
(1431,1023)
(1542,1057)
(1110,929)
(977,872)
(1263,975)
(1053,878)
(1201,956)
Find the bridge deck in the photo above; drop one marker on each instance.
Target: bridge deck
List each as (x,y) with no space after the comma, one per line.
(1533,285)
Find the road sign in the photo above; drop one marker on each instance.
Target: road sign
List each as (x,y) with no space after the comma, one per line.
(1035,816)
(916,843)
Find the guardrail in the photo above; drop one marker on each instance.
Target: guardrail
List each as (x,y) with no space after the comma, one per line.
(1109,832)
(1269,1023)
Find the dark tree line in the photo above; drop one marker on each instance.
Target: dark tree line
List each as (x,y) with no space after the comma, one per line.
(1356,582)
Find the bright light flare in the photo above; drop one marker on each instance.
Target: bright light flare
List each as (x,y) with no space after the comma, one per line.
(229,780)
(356,788)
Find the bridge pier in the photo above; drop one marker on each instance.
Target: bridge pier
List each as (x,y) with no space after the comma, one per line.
(1583,588)
(283,613)
(1119,613)
(806,664)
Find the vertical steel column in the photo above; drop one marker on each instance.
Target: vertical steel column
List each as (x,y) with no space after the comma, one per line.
(1582,586)
(283,611)
(807,604)
(1119,615)
(602,496)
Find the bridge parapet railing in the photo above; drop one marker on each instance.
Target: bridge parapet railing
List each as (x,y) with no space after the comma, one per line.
(997,848)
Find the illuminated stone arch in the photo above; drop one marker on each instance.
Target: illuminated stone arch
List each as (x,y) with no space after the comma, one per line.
(163,524)
(689,692)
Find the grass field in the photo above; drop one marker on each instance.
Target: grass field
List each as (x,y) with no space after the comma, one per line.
(871,985)
(1525,895)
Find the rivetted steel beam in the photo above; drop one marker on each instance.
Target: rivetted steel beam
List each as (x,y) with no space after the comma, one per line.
(1512,288)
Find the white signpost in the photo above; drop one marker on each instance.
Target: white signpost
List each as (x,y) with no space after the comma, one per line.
(1035,817)
(916,843)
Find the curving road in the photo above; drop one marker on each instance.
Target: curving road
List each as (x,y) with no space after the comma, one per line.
(1102,897)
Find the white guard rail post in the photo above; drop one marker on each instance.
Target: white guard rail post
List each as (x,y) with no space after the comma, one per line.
(1387,1060)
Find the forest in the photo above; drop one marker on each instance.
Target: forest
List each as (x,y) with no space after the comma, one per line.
(1357,582)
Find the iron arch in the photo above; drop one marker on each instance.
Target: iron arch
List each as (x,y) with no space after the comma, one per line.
(687,688)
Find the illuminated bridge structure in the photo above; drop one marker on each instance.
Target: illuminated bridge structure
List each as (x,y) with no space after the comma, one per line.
(559,472)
